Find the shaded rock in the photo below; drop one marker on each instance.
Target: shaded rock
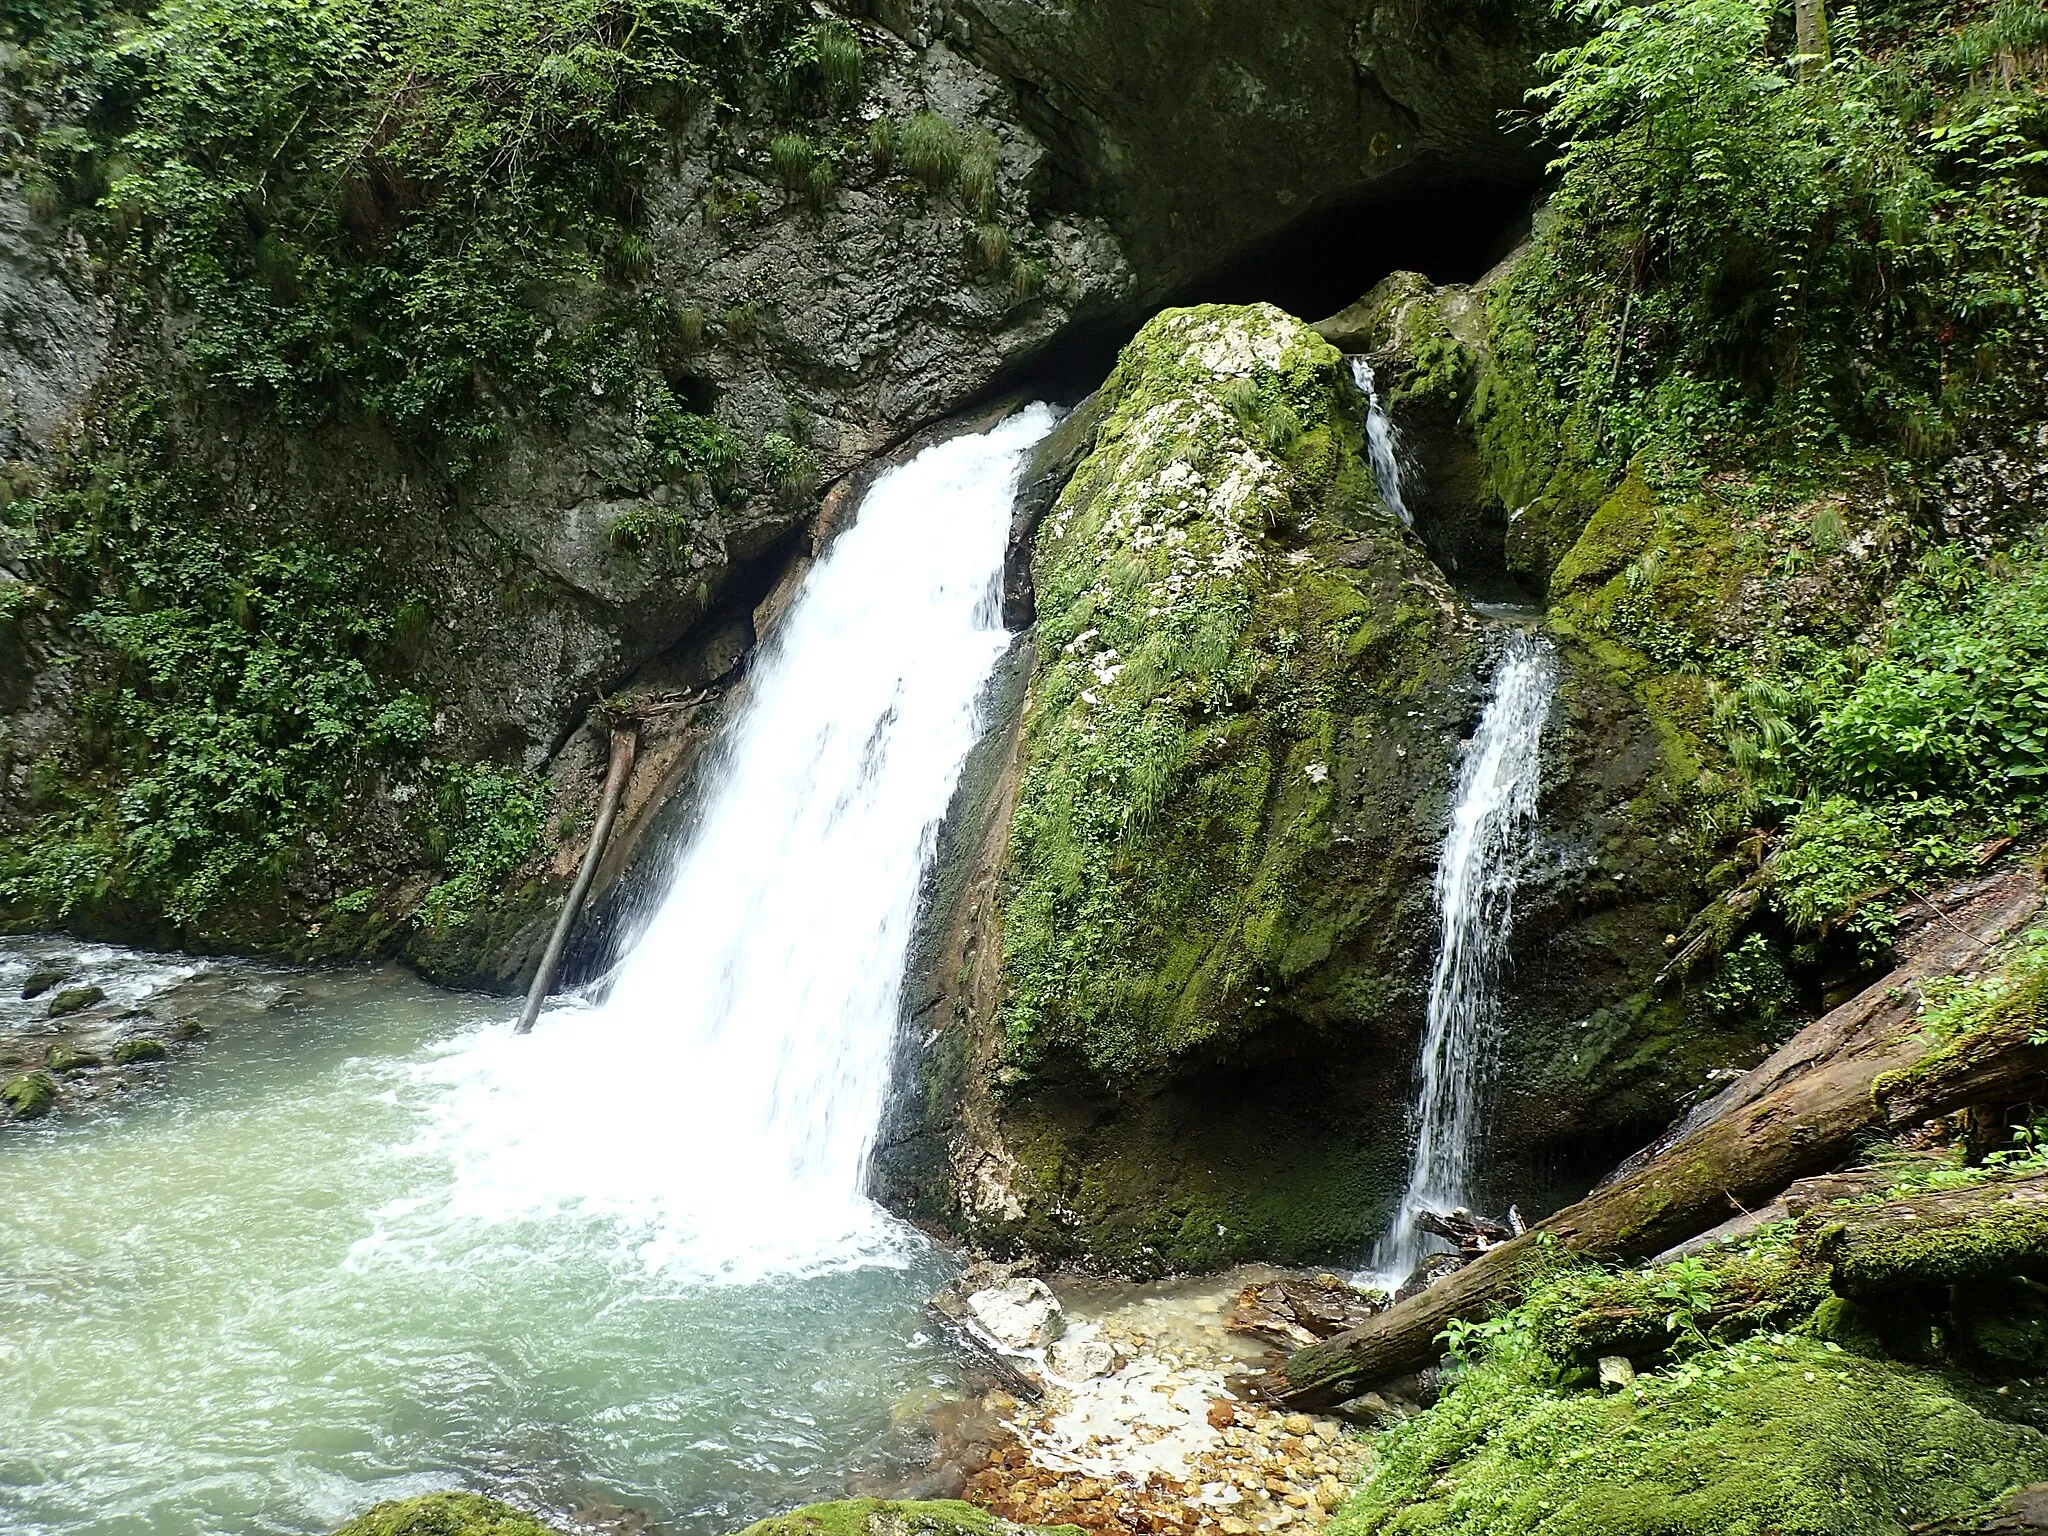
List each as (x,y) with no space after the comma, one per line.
(30,1095)
(1616,1372)
(39,982)
(1019,1314)
(445,1514)
(75,1000)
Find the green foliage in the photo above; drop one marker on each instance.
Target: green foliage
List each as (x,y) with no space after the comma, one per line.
(488,822)
(1749,260)
(1751,982)
(244,702)
(929,148)
(977,183)
(380,204)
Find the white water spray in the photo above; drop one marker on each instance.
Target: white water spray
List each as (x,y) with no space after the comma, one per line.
(1382,443)
(719,1107)
(1493,826)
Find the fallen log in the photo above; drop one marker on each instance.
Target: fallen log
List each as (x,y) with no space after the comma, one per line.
(1937,1239)
(625,746)
(1817,1103)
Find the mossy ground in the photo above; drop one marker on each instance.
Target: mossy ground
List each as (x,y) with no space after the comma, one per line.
(893,1517)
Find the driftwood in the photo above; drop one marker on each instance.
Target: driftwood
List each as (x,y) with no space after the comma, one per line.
(1292,1311)
(1937,1239)
(1807,1108)
(625,745)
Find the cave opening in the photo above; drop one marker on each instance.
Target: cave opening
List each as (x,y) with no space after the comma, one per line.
(1450,228)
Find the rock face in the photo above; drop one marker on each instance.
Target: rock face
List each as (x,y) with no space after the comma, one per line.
(1199,133)
(569,560)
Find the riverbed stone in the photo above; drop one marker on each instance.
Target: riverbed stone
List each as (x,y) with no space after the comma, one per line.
(1019,1314)
(140,1049)
(1084,1359)
(894,1517)
(67,1057)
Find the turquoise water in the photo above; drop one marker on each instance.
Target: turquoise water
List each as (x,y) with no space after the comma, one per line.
(255,1297)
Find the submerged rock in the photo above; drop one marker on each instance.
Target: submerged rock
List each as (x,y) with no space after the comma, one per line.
(445,1514)
(38,982)
(65,1057)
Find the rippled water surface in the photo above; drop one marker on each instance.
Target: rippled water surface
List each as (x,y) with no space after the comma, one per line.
(253,1302)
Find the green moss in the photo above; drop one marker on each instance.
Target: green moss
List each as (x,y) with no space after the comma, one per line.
(141,1048)
(444,1514)
(29,1095)
(1776,1435)
(891,1517)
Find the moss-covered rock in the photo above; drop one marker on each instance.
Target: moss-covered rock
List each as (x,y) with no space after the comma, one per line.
(30,1095)
(65,1057)
(75,1000)
(894,1517)
(140,1048)
(445,1514)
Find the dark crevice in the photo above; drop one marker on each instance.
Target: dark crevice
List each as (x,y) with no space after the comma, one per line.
(1452,229)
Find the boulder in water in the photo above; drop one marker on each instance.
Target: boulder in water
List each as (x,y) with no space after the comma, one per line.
(39,982)
(29,1095)
(1019,1314)
(141,1048)
(65,1057)
(445,1514)
(75,1000)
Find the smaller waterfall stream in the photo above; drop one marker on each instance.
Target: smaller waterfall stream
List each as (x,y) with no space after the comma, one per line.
(1493,822)
(1382,443)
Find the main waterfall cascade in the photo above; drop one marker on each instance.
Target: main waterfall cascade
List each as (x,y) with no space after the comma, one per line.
(721,1102)
(1382,443)
(1493,824)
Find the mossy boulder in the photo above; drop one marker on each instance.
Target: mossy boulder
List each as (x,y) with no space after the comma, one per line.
(75,1000)
(445,1514)
(38,982)
(30,1095)
(140,1049)
(1782,1434)
(893,1517)
(65,1057)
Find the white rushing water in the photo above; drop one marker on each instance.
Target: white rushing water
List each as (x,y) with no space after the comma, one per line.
(1382,443)
(1493,825)
(719,1106)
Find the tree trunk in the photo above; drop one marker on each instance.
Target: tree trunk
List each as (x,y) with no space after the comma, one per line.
(1815,1107)
(1810,20)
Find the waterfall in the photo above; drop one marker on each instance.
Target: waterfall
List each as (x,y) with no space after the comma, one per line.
(1493,824)
(720,1105)
(1382,442)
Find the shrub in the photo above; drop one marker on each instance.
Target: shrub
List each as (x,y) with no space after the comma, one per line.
(928,147)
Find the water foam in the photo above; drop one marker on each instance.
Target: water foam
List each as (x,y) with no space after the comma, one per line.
(717,1110)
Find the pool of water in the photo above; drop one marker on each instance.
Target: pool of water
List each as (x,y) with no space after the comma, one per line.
(275,1281)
